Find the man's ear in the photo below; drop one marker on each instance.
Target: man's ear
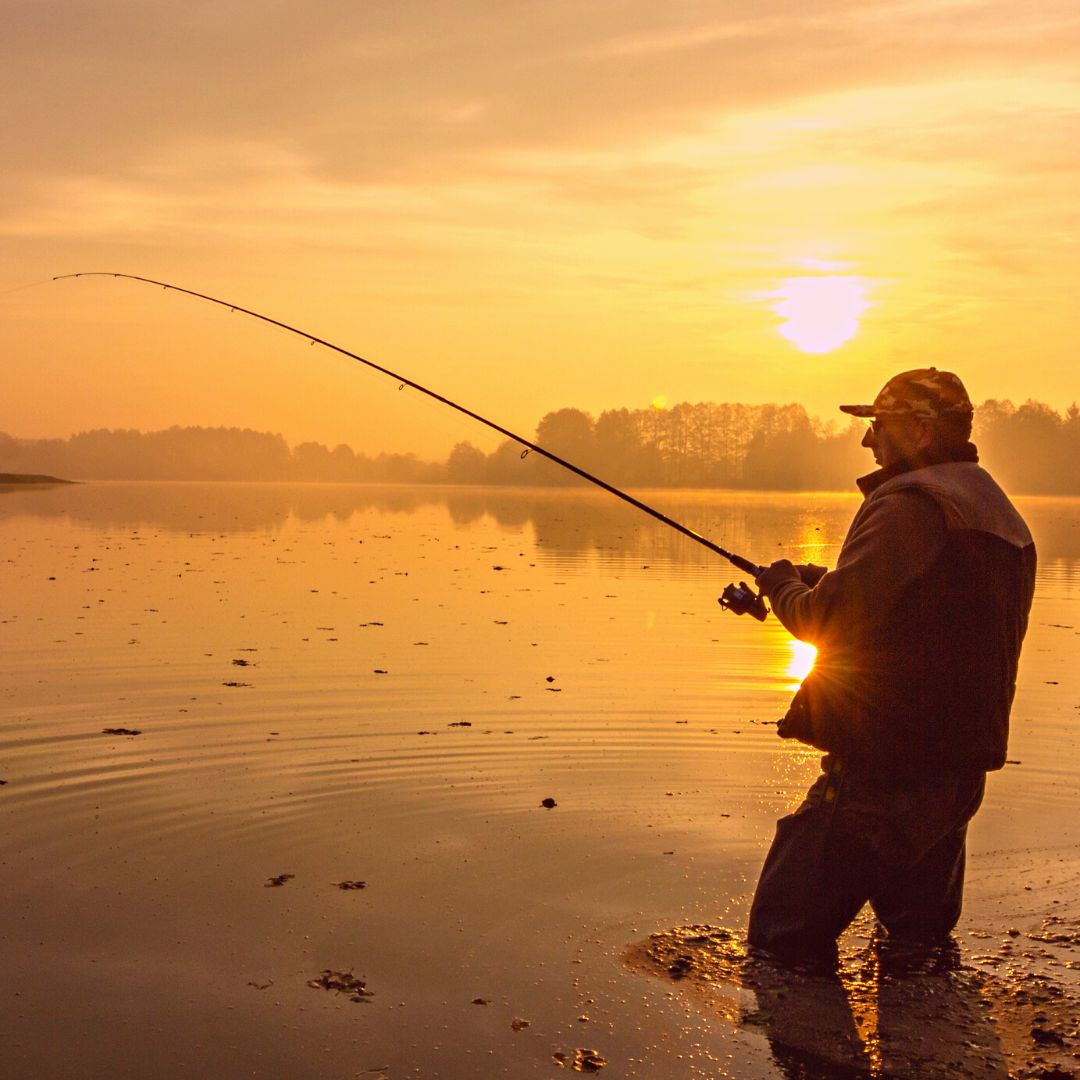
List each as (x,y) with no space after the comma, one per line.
(924,434)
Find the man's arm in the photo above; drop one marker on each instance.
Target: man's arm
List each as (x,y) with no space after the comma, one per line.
(895,539)
(809,574)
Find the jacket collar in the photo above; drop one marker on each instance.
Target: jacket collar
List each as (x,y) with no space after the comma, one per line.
(872,481)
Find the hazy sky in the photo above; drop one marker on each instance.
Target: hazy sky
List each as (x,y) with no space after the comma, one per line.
(529,205)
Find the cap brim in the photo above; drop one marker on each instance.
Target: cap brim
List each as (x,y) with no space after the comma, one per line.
(858,410)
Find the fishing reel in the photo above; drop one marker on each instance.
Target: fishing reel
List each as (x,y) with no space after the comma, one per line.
(743,601)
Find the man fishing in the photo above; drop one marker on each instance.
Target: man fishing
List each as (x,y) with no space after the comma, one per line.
(918,631)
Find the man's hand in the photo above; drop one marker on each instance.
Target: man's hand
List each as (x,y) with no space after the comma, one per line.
(782,570)
(811,574)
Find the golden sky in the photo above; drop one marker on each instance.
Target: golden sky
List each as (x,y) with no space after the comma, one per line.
(530,205)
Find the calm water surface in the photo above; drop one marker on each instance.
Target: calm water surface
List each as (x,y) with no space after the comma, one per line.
(382,684)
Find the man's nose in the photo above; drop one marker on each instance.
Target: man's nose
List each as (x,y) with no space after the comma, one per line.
(868,439)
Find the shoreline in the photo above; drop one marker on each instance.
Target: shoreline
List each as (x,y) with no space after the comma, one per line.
(28,479)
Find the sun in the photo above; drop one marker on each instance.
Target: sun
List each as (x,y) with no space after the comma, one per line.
(820,312)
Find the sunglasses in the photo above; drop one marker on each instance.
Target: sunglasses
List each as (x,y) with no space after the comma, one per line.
(877,422)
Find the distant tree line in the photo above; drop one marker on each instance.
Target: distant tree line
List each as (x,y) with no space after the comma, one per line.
(1031,448)
(200,453)
(707,445)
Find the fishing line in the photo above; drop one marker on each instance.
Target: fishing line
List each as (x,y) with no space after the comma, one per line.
(28,285)
(403,381)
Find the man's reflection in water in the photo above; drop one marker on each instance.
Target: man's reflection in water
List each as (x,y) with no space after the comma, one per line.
(883,1013)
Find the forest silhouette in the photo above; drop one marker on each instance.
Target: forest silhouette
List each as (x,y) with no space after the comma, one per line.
(1031,448)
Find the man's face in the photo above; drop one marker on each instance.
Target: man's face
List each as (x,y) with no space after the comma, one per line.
(892,439)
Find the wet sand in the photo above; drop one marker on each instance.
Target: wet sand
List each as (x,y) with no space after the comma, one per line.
(339,685)
(989,1007)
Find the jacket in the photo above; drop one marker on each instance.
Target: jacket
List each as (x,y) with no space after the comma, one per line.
(920,627)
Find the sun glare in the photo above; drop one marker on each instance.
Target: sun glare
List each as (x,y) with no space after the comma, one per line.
(821,312)
(802,660)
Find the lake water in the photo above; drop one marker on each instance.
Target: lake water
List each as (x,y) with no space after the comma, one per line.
(374,684)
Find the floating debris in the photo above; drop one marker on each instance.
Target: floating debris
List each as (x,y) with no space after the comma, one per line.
(261,986)
(460,723)
(236,684)
(517,1024)
(548,803)
(481,1001)
(278,880)
(583,1061)
(120,731)
(342,982)
(349,885)
(242,663)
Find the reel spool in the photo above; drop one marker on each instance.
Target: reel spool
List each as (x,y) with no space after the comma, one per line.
(742,600)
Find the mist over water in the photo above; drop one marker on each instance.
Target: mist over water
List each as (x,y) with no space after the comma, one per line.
(340,682)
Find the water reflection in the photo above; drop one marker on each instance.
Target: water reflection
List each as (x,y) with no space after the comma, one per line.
(406,705)
(879,1014)
(870,1020)
(807,527)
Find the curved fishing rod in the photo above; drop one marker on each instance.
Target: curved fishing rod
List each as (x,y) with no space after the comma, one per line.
(743,564)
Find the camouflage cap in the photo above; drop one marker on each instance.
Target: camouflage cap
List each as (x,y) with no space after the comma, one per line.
(925,393)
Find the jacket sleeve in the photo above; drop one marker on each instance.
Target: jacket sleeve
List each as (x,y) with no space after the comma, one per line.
(894,539)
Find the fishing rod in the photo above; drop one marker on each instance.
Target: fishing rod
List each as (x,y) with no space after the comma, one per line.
(738,598)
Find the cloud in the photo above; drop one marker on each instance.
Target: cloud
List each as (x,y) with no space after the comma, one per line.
(378,91)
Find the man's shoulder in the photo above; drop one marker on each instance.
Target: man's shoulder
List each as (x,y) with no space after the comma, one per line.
(967,494)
